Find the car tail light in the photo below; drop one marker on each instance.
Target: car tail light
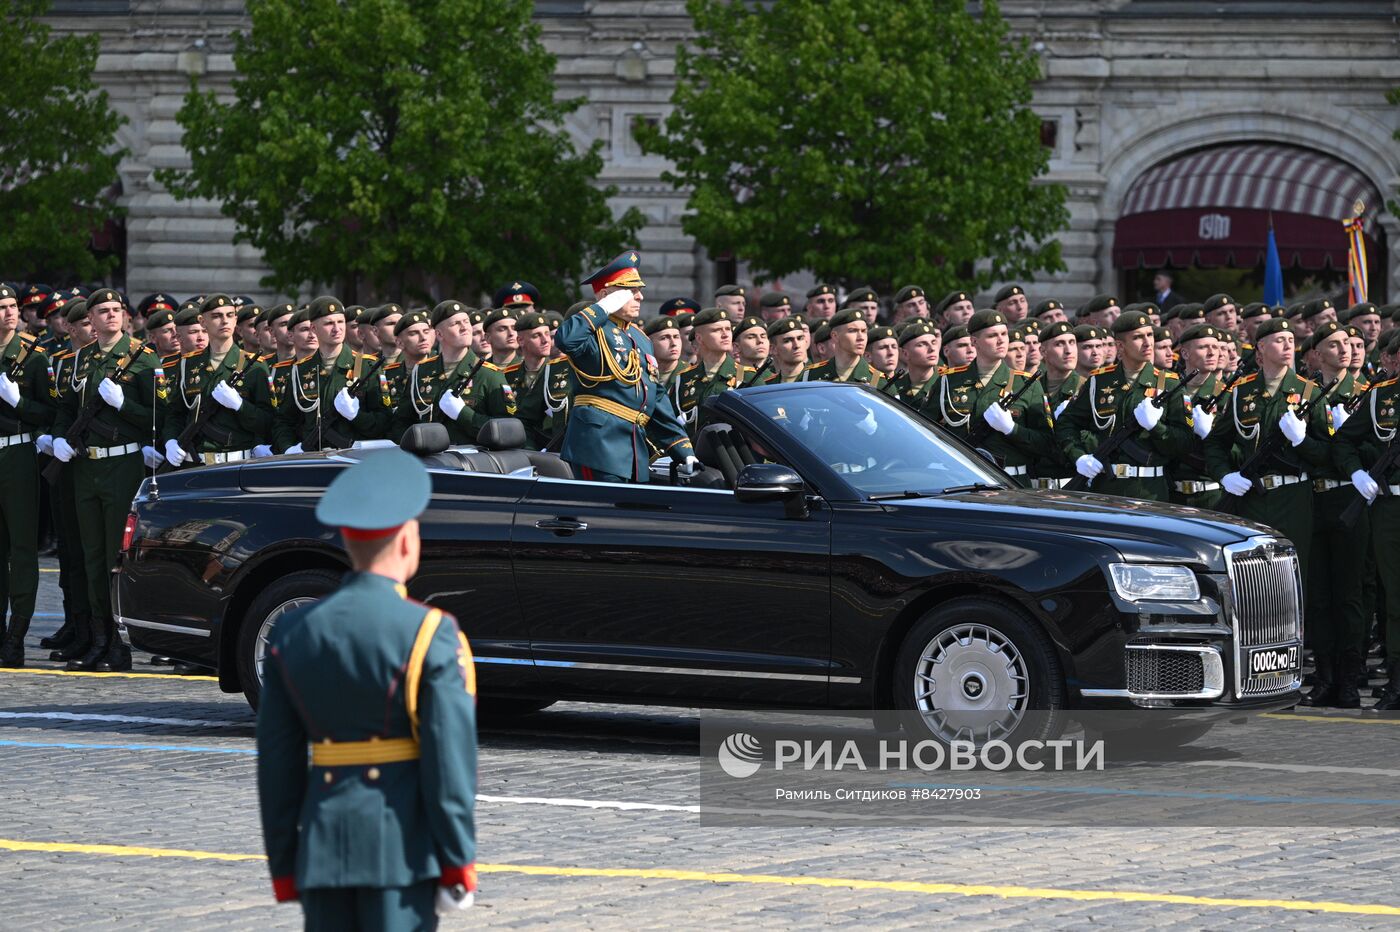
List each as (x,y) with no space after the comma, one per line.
(129,532)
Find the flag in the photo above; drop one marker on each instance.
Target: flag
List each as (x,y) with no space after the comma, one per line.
(1273,270)
(1356,256)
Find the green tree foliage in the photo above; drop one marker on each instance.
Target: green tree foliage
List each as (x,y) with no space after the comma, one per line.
(58,152)
(871,141)
(401,147)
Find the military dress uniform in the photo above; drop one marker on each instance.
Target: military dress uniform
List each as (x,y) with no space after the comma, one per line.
(826,371)
(1052,472)
(541,398)
(901,386)
(306,413)
(487,394)
(962,396)
(1191,483)
(227,435)
(698,386)
(382,690)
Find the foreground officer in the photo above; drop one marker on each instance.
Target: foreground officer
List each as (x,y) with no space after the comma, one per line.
(383,689)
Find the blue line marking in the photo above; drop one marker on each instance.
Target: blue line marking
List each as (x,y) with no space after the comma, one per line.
(1165,794)
(74,746)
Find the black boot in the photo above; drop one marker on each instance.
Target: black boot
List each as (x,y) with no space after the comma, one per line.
(118,656)
(1390,699)
(12,647)
(97,647)
(79,644)
(1348,663)
(1324,693)
(62,637)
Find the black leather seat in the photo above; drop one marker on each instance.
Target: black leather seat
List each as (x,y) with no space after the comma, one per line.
(721,447)
(502,440)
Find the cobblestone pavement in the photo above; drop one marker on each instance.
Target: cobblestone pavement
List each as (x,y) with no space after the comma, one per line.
(162,769)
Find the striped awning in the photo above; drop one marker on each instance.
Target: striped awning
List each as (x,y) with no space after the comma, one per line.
(1213,207)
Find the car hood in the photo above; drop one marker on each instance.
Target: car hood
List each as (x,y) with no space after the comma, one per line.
(1140,530)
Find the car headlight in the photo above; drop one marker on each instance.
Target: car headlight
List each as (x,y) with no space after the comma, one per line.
(1148,582)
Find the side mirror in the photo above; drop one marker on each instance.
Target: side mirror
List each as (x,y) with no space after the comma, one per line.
(772,482)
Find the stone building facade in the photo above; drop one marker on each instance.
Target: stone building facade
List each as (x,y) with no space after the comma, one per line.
(1129,86)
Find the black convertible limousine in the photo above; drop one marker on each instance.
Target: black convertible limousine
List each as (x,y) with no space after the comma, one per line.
(837,551)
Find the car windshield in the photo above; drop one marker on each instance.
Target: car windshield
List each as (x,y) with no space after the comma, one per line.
(873,442)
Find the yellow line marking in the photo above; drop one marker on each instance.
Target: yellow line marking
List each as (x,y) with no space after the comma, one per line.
(847,883)
(124,676)
(1334,719)
(45,569)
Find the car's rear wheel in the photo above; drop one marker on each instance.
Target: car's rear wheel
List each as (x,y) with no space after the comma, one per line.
(287,594)
(977,670)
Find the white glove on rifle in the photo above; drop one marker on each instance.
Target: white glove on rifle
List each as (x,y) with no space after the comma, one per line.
(261,450)
(612,303)
(1339,415)
(1147,414)
(999,418)
(688,467)
(451,405)
(294,448)
(1365,485)
(44,443)
(1293,428)
(347,404)
(1088,466)
(174,454)
(111,393)
(1236,484)
(448,903)
(226,395)
(152,457)
(1060,408)
(9,391)
(1201,423)
(61,450)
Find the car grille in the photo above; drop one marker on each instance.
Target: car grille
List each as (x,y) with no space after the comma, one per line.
(1266,608)
(1164,671)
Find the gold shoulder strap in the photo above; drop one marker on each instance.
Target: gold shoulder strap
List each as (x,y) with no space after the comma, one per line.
(416,659)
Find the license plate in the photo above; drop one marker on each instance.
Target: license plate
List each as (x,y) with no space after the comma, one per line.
(1273,661)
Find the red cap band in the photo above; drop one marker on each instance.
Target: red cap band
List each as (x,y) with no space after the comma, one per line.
(355,533)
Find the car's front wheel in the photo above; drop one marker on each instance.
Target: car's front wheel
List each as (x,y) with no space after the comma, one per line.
(287,594)
(977,670)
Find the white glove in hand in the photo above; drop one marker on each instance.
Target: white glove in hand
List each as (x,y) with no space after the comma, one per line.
(999,418)
(688,467)
(612,303)
(174,454)
(111,393)
(45,444)
(1294,429)
(451,405)
(152,457)
(261,450)
(1236,484)
(227,396)
(294,448)
(868,425)
(9,391)
(1147,414)
(1201,423)
(1365,485)
(448,903)
(1339,415)
(61,450)
(1088,466)
(347,404)
(1060,408)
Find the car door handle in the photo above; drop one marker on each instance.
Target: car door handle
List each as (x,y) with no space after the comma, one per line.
(561,525)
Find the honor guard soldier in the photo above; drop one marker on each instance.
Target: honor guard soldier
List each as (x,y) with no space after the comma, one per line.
(715,370)
(821,303)
(501,334)
(882,352)
(750,346)
(919,342)
(618,407)
(121,382)
(1116,396)
(1059,355)
(540,381)
(773,305)
(1200,352)
(954,310)
(850,332)
(674,307)
(286,429)
(379,831)
(733,300)
(26,411)
(788,338)
(228,377)
(1012,304)
(413,334)
(666,345)
(455,386)
(969,395)
(909,302)
(1049,312)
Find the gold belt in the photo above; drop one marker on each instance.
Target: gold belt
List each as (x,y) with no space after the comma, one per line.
(612,407)
(362,753)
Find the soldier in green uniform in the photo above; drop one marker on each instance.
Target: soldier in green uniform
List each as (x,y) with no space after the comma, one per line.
(126,379)
(975,393)
(378,832)
(882,352)
(541,380)
(773,306)
(751,343)
(849,335)
(919,343)
(501,333)
(667,341)
(328,402)
(26,411)
(715,370)
(1120,394)
(788,339)
(954,310)
(449,387)
(958,348)
(1060,354)
(279,319)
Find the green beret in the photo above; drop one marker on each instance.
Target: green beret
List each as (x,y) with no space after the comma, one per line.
(1171,312)
(1008,291)
(496,315)
(277,311)
(530,320)
(1293,310)
(658,324)
(820,289)
(1099,302)
(247,312)
(880,333)
(685,319)
(822,333)
(477,316)
(1058,329)
(774,299)
(955,332)
(161,318)
(751,323)
(951,298)
(1364,309)
(554,319)
(1045,307)
(324,306)
(1274,325)
(849,315)
(379,314)
(786,325)
(710,315)
(1015,334)
(1032,326)
(1160,333)
(1129,321)
(863,293)
(7,292)
(1354,332)
(105,296)
(984,319)
(1191,312)
(301,315)
(213,301)
(916,328)
(1387,311)
(355,314)
(1199,332)
(1149,308)
(75,310)
(1323,331)
(908,293)
(446,310)
(1216,301)
(1310,310)
(187,316)
(729,291)
(1254,309)
(1089,332)
(417,316)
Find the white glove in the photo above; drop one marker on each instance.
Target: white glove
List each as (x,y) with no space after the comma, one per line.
(1339,415)
(226,395)
(613,303)
(868,425)
(9,391)
(1060,408)
(1201,422)
(1147,414)
(1294,429)
(451,405)
(294,448)
(45,444)
(152,457)
(447,903)
(999,418)
(111,393)
(61,450)
(1088,466)
(689,467)
(174,454)
(1365,485)
(261,450)
(347,404)
(1236,484)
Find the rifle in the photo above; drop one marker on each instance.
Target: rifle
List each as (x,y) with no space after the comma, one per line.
(85,417)
(1354,402)
(885,389)
(462,380)
(1210,404)
(14,368)
(979,432)
(1269,446)
(1388,458)
(208,407)
(767,364)
(1124,433)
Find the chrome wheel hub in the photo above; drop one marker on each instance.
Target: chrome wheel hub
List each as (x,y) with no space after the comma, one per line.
(265,631)
(971,684)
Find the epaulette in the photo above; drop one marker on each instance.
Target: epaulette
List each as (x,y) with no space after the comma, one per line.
(956,369)
(1246,346)
(1173,375)
(491,365)
(513,366)
(1307,382)
(191,354)
(307,358)
(811,365)
(1024,375)
(562,357)
(1244,379)
(285,362)
(1386,383)
(367,357)
(147,350)
(27,337)
(393,365)
(428,359)
(68,354)
(267,357)
(687,367)
(1104,369)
